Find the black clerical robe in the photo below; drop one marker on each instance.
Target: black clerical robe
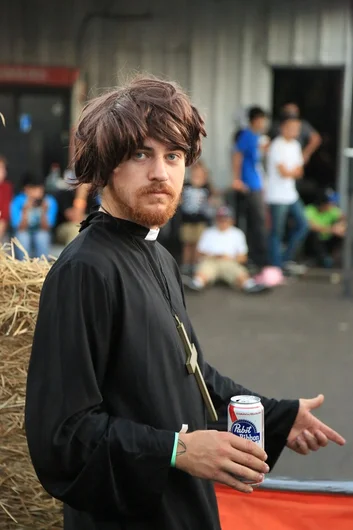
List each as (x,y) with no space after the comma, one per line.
(108,387)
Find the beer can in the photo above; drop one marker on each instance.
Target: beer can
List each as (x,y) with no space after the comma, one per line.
(246,419)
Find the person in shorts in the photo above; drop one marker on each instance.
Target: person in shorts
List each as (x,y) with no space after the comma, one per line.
(195,210)
(223,253)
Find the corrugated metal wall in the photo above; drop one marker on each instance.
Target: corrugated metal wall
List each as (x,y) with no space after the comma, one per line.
(220,50)
(232,69)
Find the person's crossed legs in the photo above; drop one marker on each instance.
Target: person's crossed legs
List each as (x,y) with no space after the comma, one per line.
(232,273)
(36,243)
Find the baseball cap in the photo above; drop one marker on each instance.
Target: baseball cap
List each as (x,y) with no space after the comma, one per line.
(224,211)
(325,196)
(332,196)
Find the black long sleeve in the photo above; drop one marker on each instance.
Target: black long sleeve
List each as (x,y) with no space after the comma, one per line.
(83,455)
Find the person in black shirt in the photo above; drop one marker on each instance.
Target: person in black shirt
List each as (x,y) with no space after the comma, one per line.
(195,207)
(116,424)
(70,215)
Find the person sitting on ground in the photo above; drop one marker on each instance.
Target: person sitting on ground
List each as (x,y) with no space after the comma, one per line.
(195,213)
(68,219)
(32,216)
(327,228)
(6,193)
(223,254)
(74,206)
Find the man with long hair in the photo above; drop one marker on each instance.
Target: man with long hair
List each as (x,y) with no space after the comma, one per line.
(115,416)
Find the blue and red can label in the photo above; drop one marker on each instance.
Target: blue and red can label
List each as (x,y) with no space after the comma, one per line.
(246,419)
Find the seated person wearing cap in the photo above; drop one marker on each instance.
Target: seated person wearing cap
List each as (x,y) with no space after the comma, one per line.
(327,228)
(223,251)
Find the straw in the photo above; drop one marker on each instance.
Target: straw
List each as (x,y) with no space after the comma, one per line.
(24,505)
(20,285)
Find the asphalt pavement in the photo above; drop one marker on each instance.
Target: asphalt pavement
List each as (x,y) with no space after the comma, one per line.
(295,342)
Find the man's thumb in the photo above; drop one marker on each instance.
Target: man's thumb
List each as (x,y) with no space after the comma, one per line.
(315,402)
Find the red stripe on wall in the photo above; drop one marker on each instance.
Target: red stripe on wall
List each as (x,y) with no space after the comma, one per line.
(38,75)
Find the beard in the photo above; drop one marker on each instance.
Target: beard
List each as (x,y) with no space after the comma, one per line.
(144,208)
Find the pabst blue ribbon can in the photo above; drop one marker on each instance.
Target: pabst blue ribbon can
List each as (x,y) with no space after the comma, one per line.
(246,419)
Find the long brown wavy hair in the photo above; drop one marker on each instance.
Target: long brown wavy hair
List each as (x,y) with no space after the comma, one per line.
(114,125)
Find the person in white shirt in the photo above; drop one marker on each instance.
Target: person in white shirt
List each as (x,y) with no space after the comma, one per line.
(223,251)
(285,165)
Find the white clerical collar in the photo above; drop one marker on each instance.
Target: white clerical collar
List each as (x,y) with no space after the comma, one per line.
(152,234)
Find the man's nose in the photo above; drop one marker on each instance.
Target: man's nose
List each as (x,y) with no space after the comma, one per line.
(158,170)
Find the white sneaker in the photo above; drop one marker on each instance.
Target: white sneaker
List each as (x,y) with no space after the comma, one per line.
(296,269)
(191,284)
(253,287)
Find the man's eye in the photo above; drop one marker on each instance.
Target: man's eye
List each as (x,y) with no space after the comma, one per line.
(172,156)
(140,156)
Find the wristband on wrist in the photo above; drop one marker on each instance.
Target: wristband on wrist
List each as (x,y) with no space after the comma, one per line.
(175,447)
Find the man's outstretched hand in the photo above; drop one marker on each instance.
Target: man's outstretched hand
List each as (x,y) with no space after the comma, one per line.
(308,433)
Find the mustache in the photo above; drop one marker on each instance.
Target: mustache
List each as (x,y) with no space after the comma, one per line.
(157,188)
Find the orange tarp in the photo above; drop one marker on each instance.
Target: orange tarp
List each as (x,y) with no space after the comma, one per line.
(276,510)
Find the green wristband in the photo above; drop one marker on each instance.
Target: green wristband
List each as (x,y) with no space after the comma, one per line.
(176,439)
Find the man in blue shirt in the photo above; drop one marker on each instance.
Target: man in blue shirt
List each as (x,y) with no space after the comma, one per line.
(32,217)
(247,182)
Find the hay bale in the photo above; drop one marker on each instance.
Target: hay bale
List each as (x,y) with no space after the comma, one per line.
(24,504)
(20,285)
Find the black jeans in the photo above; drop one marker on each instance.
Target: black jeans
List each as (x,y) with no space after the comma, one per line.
(251,218)
(169,237)
(322,250)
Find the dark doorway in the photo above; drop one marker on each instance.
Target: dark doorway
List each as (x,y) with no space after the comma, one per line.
(37,129)
(318,93)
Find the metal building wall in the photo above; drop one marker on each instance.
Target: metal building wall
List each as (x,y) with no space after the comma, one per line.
(233,68)
(222,51)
